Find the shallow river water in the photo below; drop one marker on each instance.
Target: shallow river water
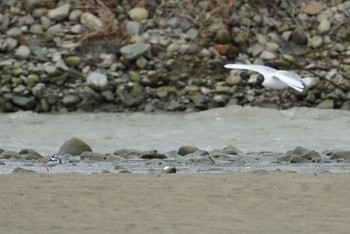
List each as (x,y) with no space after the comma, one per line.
(247,128)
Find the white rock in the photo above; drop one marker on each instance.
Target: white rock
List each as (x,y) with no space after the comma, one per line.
(272,46)
(14,32)
(324,26)
(255,49)
(97,80)
(135,50)
(91,21)
(75,15)
(138,14)
(22,52)
(316,41)
(59,13)
(267,55)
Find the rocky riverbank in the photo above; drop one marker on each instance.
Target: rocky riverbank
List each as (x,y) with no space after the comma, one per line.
(148,56)
(78,156)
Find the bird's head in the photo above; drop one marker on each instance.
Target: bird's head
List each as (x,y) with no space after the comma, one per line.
(259,81)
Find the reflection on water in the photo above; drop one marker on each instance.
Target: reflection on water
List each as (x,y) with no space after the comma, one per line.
(247,128)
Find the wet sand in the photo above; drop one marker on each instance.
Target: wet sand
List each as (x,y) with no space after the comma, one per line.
(174,203)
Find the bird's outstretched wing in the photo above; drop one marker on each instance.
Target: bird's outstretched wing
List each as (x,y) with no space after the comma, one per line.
(291,79)
(263,70)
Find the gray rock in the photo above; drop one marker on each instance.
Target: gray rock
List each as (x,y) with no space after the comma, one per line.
(14,32)
(132,153)
(311,155)
(26,103)
(298,36)
(180,22)
(73,146)
(7,154)
(133,51)
(231,150)
(92,156)
(312,8)
(324,26)
(134,28)
(91,21)
(174,105)
(326,104)
(138,14)
(192,33)
(108,95)
(198,100)
(222,36)
(30,154)
(56,29)
(267,55)
(31,4)
(108,60)
(22,170)
(60,13)
(70,100)
(346,105)
(272,46)
(22,52)
(141,62)
(73,159)
(255,49)
(152,155)
(8,44)
(97,80)
(185,150)
(316,41)
(36,29)
(75,15)
(233,79)
(20,89)
(345,155)
(114,158)
(293,158)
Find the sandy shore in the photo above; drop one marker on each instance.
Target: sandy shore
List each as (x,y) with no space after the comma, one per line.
(174,203)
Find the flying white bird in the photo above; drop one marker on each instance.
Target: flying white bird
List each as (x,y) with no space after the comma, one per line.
(276,79)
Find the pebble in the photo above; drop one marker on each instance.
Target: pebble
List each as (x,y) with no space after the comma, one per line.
(312,8)
(233,79)
(138,14)
(133,51)
(324,26)
(326,104)
(134,28)
(22,52)
(14,32)
(90,21)
(316,41)
(97,80)
(60,13)
(267,55)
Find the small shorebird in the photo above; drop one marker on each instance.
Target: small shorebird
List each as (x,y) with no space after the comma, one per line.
(276,79)
(52,162)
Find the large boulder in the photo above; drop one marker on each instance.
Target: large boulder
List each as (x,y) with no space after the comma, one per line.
(74,146)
